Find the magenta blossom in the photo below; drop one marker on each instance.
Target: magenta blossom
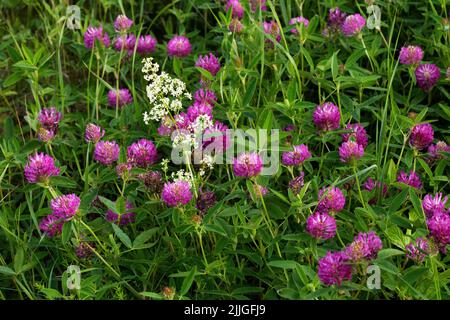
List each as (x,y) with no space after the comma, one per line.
(255,4)
(296,157)
(45,135)
(123,98)
(146,44)
(92,34)
(125,43)
(350,151)
(236,26)
(422,136)
(353,25)
(364,246)
(436,149)
(427,75)
(432,205)
(216,138)
(334,269)
(142,153)
(335,20)
(209,63)
(122,23)
(298,20)
(123,170)
(439,226)
(49,118)
(106,152)
(357,132)
(176,193)
(411,55)
(297,183)
(412,179)
(93,133)
(65,206)
(418,250)
(179,46)
(272,28)
(326,116)
(321,225)
(236,8)
(331,199)
(40,168)
(247,165)
(51,225)
(205,96)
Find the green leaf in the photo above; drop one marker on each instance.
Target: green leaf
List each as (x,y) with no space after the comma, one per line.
(187,282)
(66,232)
(387,253)
(18,260)
(143,237)
(7,271)
(153,295)
(122,236)
(216,228)
(334,66)
(249,93)
(65,182)
(25,65)
(284,264)
(108,203)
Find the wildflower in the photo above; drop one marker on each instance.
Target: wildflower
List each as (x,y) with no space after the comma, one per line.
(51,225)
(358,133)
(93,133)
(152,181)
(209,63)
(335,20)
(123,98)
(296,157)
(298,20)
(93,33)
(84,250)
(40,168)
(49,118)
(146,44)
(422,136)
(331,199)
(179,46)
(353,24)
(326,116)
(296,184)
(321,225)
(439,226)
(125,43)
(432,205)
(197,110)
(142,153)
(176,193)
(255,4)
(168,293)
(237,10)
(236,26)
(65,206)
(411,55)
(427,75)
(247,165)
(123,170)
(371,185)
(259,190)
(412,180)
(205,200)
(122,218)
(333,269)
(45,135)
(364,246)
(217,137)
(350,151)
(205,96)
(122,23)
(435,150)
(272,28)
(106,152)
(418,250)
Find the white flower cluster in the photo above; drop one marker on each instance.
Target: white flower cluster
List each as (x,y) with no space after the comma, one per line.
(207,163)
(184,140)
(164,92)
(201,123)
(182,175)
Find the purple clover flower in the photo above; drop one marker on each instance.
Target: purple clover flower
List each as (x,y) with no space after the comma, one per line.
(179,46)
(247,165)
(40,167)
(321,225)
(176,193)
(106,152)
